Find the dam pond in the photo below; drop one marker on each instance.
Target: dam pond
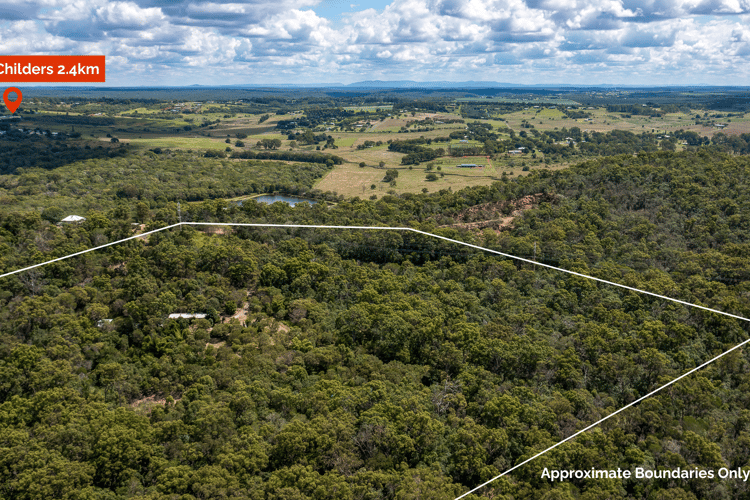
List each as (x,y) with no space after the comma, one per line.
(273,198)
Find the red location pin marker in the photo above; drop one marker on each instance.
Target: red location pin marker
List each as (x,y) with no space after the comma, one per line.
(12,105)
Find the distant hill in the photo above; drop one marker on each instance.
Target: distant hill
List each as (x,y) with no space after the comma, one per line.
(404,84)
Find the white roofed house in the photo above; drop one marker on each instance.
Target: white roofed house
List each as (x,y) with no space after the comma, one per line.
(187,315)
(73,218)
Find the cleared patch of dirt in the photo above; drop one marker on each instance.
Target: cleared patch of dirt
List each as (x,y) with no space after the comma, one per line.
(216,229)
(498,215)
(139,229)
(147,404)
(149,400)
(240,315)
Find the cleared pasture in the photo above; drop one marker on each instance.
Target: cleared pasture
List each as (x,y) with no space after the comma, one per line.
(150,128)
(351,180)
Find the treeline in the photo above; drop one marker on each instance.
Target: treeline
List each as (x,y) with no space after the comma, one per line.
(369,144)
(98,183)
(23,150)
(81,120)
(89,105)
(311,157)
(634,109)
(477,131)
(738,144)
(334,116)
(308,137)
(408,105)
(571,142)
(617,142)
(479,110)
(430,122)
(575,114)
(416,151)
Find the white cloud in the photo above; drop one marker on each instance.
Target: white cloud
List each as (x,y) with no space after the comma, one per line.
(27,37)
(127,15)
(429,39)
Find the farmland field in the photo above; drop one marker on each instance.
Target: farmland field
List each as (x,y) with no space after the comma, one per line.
(217,123)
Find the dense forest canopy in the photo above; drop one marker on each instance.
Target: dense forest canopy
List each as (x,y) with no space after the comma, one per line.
(382,364)
(69,178)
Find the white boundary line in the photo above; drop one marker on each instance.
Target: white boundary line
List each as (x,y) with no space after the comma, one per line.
(605,418)
(381,228)
(309,226)
(530,261)
(86,251)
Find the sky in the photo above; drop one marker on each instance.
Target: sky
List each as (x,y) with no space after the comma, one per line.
(221,42)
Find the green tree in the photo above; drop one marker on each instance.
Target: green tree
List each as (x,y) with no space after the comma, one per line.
(390,175)
(142,212)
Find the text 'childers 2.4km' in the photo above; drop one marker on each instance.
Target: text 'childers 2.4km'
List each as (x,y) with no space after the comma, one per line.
(52,69)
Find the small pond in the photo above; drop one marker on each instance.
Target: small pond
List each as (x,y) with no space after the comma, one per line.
(273,198)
